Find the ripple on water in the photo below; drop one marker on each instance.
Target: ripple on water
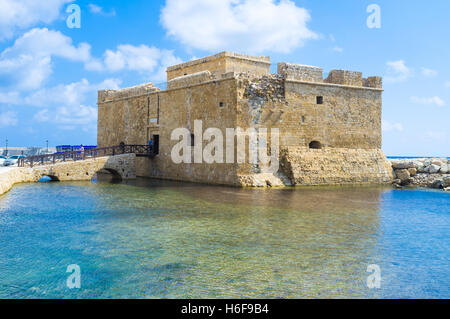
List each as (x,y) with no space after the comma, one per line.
(153,239)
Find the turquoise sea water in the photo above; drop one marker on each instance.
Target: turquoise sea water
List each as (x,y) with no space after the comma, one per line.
(152,239)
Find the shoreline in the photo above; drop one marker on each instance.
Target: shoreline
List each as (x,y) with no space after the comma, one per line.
(431,173)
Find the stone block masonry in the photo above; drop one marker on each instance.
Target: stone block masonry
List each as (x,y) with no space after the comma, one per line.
(335,166)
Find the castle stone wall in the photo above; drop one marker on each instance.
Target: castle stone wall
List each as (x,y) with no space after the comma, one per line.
(329,166)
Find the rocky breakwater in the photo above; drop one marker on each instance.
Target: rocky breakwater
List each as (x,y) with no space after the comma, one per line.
(425,172)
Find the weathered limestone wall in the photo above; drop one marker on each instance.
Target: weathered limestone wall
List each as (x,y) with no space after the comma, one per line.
(335,166)
(212,102)
(123,115)
(186,100)
(348,117)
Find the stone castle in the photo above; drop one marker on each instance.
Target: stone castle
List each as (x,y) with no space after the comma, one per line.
(330,128)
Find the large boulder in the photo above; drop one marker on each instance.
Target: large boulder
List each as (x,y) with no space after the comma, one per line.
(446,181)
(412,171)
(438,184)
(444,169)
(419,166)
(403,164)
(404,176)
(432,169)
(437,162)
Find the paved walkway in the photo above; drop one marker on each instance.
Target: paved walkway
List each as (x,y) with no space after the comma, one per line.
(4,169)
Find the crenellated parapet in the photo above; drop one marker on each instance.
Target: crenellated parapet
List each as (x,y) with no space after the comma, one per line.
(314,74)
(300,72)
(189,80)
(112,95)
(344,77)
(373,82)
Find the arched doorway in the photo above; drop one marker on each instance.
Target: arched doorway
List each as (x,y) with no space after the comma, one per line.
(315,145)
(107,175)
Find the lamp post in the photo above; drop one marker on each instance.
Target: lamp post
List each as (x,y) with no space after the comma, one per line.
(6,147)
(47,146)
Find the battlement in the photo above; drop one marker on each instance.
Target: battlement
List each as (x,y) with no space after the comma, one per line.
(307,73)
(373,82)
(227,65)
(300,72)
(189,80)
(344,77)
(111,95)
(222,63)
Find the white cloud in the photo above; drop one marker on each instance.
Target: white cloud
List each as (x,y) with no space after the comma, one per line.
(143,59)
(245,25)
(435,100)
(21,14)
(28,63)
(391,127)
(11,97)
(93,8)
(338,49)
(69,118)
(66,105)
(8,118)
(397,71)
(429,73)
(73,94)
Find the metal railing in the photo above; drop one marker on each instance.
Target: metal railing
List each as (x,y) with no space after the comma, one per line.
(48,159)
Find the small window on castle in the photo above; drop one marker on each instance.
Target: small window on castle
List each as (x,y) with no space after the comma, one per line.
(320,100)
(303,119)
(315,145)
(192,140)
(221,104)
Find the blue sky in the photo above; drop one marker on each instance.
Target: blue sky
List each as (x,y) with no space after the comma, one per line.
(50,73)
